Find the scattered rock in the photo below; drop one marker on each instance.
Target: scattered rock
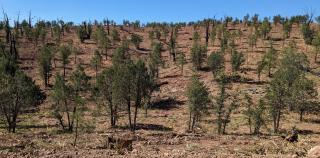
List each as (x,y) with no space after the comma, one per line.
(314,152)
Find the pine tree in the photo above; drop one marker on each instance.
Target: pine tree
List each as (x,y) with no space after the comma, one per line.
(65,52)
(96,61)
(198,100)
(181,61)
(216,62)
(136,40)
(237,59)
(45,64)
(198,53)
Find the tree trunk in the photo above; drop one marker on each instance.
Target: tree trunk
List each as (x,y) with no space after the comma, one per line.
(301,115)
(189,125)
(76,134)
(129,114)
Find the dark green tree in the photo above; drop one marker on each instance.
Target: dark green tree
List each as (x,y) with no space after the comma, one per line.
(216,62)
(198,100)
(136,40)
(65,52)
(45,65)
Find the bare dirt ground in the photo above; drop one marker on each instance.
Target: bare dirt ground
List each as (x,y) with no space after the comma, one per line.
(163,133)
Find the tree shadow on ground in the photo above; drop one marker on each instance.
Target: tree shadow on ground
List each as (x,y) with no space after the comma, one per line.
(239,79)
(166,104)
(171,76)
(151,127)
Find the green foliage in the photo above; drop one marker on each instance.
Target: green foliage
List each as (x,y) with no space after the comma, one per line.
(278,96)
(104,93)
(198,53)
(256,115)
(248,111)
(84,31)
(115,36)
(82,34)
(224,105)
(62,109)
(237,59)
(45,65)
(316,44)
(265,27)
(302,94)
(155,59)
(181,61)
(252,40)
(307,33)
(103,42)
(198,100)
(216,62)
(136,40)
(65,52)
(269,61)
(79,80)
(287,27)
(18,93)
(213,35)
(57,32)
(196,37)
(96,61)
(277,19)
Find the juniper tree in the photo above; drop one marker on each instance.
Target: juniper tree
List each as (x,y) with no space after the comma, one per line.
(248,111)
(45,66)
(213,34)
(316,44)
(287,27)
(63,110)
(141,79)
(269,61)
(307,33)
(79,85)
(181,61)
(216,62)
(232,105)
(237,59)
(257,115)
(172,46)
(277,19)
(65,52)
(198,53)
(265,27)
(196,37)
(57,33)
(81,32)
(102,40)
(278,96)
(96,61)
(157,34)
(207,26)
(198,100)
(151,36)
(155,59)
(302,93)
(220,105)
(136,40)
(122,88)
(115,36)
(104,86)
(18,93)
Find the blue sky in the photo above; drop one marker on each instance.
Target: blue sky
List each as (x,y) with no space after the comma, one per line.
(154,10)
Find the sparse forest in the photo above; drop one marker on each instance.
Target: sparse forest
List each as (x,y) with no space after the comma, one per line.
(242,87)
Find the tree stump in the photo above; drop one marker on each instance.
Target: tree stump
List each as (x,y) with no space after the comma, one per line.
(118,143)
